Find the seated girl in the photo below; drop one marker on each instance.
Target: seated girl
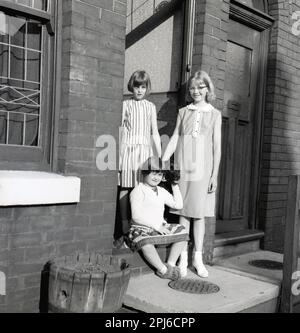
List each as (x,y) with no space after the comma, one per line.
(148,227)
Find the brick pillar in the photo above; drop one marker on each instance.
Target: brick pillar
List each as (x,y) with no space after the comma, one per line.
(281,139)
(209,54)
(93,55)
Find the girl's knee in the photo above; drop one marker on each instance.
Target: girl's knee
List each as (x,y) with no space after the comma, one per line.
(148,247)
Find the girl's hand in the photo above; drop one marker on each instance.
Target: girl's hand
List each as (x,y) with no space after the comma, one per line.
(164,230)
(213,183)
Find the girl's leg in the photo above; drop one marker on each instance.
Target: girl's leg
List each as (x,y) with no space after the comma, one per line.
(175,252)
(151,255)
(185,221)
(199,231)
(183,262)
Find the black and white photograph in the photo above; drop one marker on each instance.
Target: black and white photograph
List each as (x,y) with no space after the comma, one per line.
(149,159)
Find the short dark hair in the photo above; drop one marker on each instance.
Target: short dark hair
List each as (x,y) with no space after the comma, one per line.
(138,78)
(152,164)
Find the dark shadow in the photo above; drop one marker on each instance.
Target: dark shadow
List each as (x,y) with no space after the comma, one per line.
(118,221)
(162,13)
(44,289)
(118,229)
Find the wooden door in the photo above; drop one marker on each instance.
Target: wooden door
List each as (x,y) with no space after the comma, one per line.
(240,118)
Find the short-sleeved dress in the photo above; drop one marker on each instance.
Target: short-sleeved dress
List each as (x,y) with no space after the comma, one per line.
(194,158)
(135,145)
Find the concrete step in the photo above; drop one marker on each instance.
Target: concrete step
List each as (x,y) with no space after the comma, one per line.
(236,243)
(238,293)
(243,288)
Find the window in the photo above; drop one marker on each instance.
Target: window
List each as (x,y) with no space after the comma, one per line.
(26,64)
(261,5)
(20,81)
(43,5)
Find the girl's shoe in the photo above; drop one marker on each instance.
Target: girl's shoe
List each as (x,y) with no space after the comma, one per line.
(183,263)
(172,273)
(199,266)
(120,243)
(117,244)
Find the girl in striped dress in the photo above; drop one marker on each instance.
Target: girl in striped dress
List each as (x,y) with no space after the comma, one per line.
(139,125)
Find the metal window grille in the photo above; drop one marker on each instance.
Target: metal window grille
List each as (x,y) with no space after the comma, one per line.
(20,80)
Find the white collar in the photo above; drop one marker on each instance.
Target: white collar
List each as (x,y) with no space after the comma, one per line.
(196,108)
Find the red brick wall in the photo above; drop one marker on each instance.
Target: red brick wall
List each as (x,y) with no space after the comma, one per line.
(209,54)
(92,80)
(281,142)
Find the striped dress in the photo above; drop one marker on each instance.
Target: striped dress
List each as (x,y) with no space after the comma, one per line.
(135,145)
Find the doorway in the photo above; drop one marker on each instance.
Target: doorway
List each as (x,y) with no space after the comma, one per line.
(245,77)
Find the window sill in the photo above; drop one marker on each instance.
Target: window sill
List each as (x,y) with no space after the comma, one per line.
(25,188)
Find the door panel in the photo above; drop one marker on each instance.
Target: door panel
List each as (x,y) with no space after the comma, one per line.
(238,123)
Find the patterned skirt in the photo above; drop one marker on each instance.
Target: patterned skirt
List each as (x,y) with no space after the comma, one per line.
(131,160)
(140,235)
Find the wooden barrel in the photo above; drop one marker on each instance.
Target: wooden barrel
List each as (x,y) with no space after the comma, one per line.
(87,283)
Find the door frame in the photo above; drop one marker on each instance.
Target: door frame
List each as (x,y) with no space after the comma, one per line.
(188,40)
(262,22)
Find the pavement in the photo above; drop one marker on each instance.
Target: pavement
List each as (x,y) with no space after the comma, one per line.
(243,288)
(240,264)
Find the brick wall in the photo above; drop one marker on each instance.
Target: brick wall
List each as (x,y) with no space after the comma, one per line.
(281,141)
(92,80)
(209,54)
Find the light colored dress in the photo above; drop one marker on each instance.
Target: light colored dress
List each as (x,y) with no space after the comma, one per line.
(135,145)
(194,158)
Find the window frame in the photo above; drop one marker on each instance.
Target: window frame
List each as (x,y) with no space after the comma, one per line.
(38,157)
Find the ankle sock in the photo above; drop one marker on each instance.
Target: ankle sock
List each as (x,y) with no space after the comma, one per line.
(163,270)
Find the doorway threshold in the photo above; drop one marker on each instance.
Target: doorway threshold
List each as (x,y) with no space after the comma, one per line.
(235,237)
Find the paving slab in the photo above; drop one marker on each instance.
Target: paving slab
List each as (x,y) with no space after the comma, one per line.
(151,294)
(240,265)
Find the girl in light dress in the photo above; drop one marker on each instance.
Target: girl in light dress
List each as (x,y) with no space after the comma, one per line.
(197,142)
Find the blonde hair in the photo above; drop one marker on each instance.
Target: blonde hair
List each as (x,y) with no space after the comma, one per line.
(204,77)
(139,78)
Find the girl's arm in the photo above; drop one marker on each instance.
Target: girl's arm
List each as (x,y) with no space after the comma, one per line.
(121,130)
(174,201)
(171,147)
(216,154)
(155,133)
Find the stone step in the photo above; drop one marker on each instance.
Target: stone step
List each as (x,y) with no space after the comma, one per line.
(236,243)
(238,293)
